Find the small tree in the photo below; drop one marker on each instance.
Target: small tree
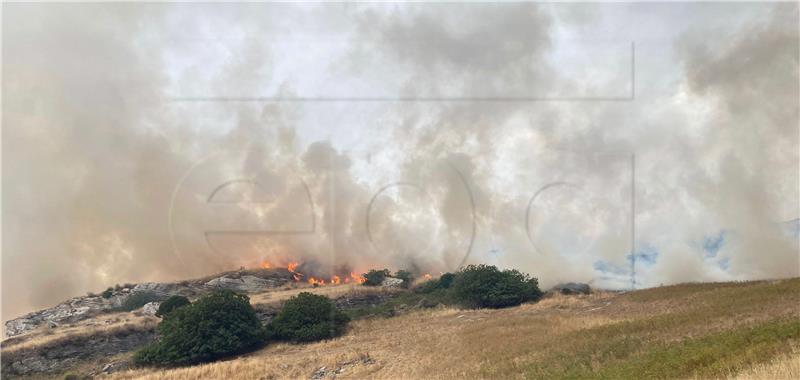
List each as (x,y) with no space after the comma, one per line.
(487,286)
(406,276)
(307,317)
(107,293)
(171,304)
(220,324)
(375,277)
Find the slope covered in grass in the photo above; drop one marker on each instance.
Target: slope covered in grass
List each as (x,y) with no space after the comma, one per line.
(681,331)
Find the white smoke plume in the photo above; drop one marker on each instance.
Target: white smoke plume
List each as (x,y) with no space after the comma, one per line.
(148,142)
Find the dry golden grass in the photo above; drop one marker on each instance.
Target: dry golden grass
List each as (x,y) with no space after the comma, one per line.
(331,291)
(602,335)
(104,323)
(438,343)
(783,368)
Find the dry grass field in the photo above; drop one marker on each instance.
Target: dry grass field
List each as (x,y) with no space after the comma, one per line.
(101,324)
(745,330)
(784,367)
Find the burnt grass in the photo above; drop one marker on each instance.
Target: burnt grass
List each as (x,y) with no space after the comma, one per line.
(62,354)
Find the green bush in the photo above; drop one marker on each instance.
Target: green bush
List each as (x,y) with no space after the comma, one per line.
(446,280)
(107,293)
(487,286)
(218,325)
(139,299)
(171,304)
(307,317)
(406,276)
(375,277)
(442,283)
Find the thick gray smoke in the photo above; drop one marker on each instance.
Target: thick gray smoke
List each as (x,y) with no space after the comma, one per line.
(135,147)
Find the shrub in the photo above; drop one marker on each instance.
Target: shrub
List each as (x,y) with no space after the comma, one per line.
(429,286)
(441,283)
(406,276)
(487,286)
(171,304)
(218,325)
(375,277)
(139,299)
(308,317)
(107,293)
(446,280)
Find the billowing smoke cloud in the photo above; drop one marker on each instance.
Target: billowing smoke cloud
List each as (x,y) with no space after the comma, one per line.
(518,151)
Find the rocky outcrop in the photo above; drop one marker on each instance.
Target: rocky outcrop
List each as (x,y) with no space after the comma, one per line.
(341,367)
(151,308)
(392,282)
(160,289)
(73,310)
(80,308)
(246,283)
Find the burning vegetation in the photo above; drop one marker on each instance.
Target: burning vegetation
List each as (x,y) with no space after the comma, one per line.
(300,275)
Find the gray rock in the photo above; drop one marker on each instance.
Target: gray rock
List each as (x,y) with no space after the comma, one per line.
(245,283)
(391,281)
(162,289)
(151,308)
(72,310)
(115,367)
(319,373)
(20,325)
(79,308)
(573,288)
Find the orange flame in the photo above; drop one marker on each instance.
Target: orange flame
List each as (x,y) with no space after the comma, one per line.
(427,276)
(353,278)
(357,278)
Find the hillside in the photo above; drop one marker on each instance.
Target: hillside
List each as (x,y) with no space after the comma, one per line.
(709,330)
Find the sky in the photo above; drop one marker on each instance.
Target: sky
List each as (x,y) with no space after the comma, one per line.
(159,142)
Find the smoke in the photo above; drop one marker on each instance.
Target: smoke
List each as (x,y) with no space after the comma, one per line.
(517,154)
